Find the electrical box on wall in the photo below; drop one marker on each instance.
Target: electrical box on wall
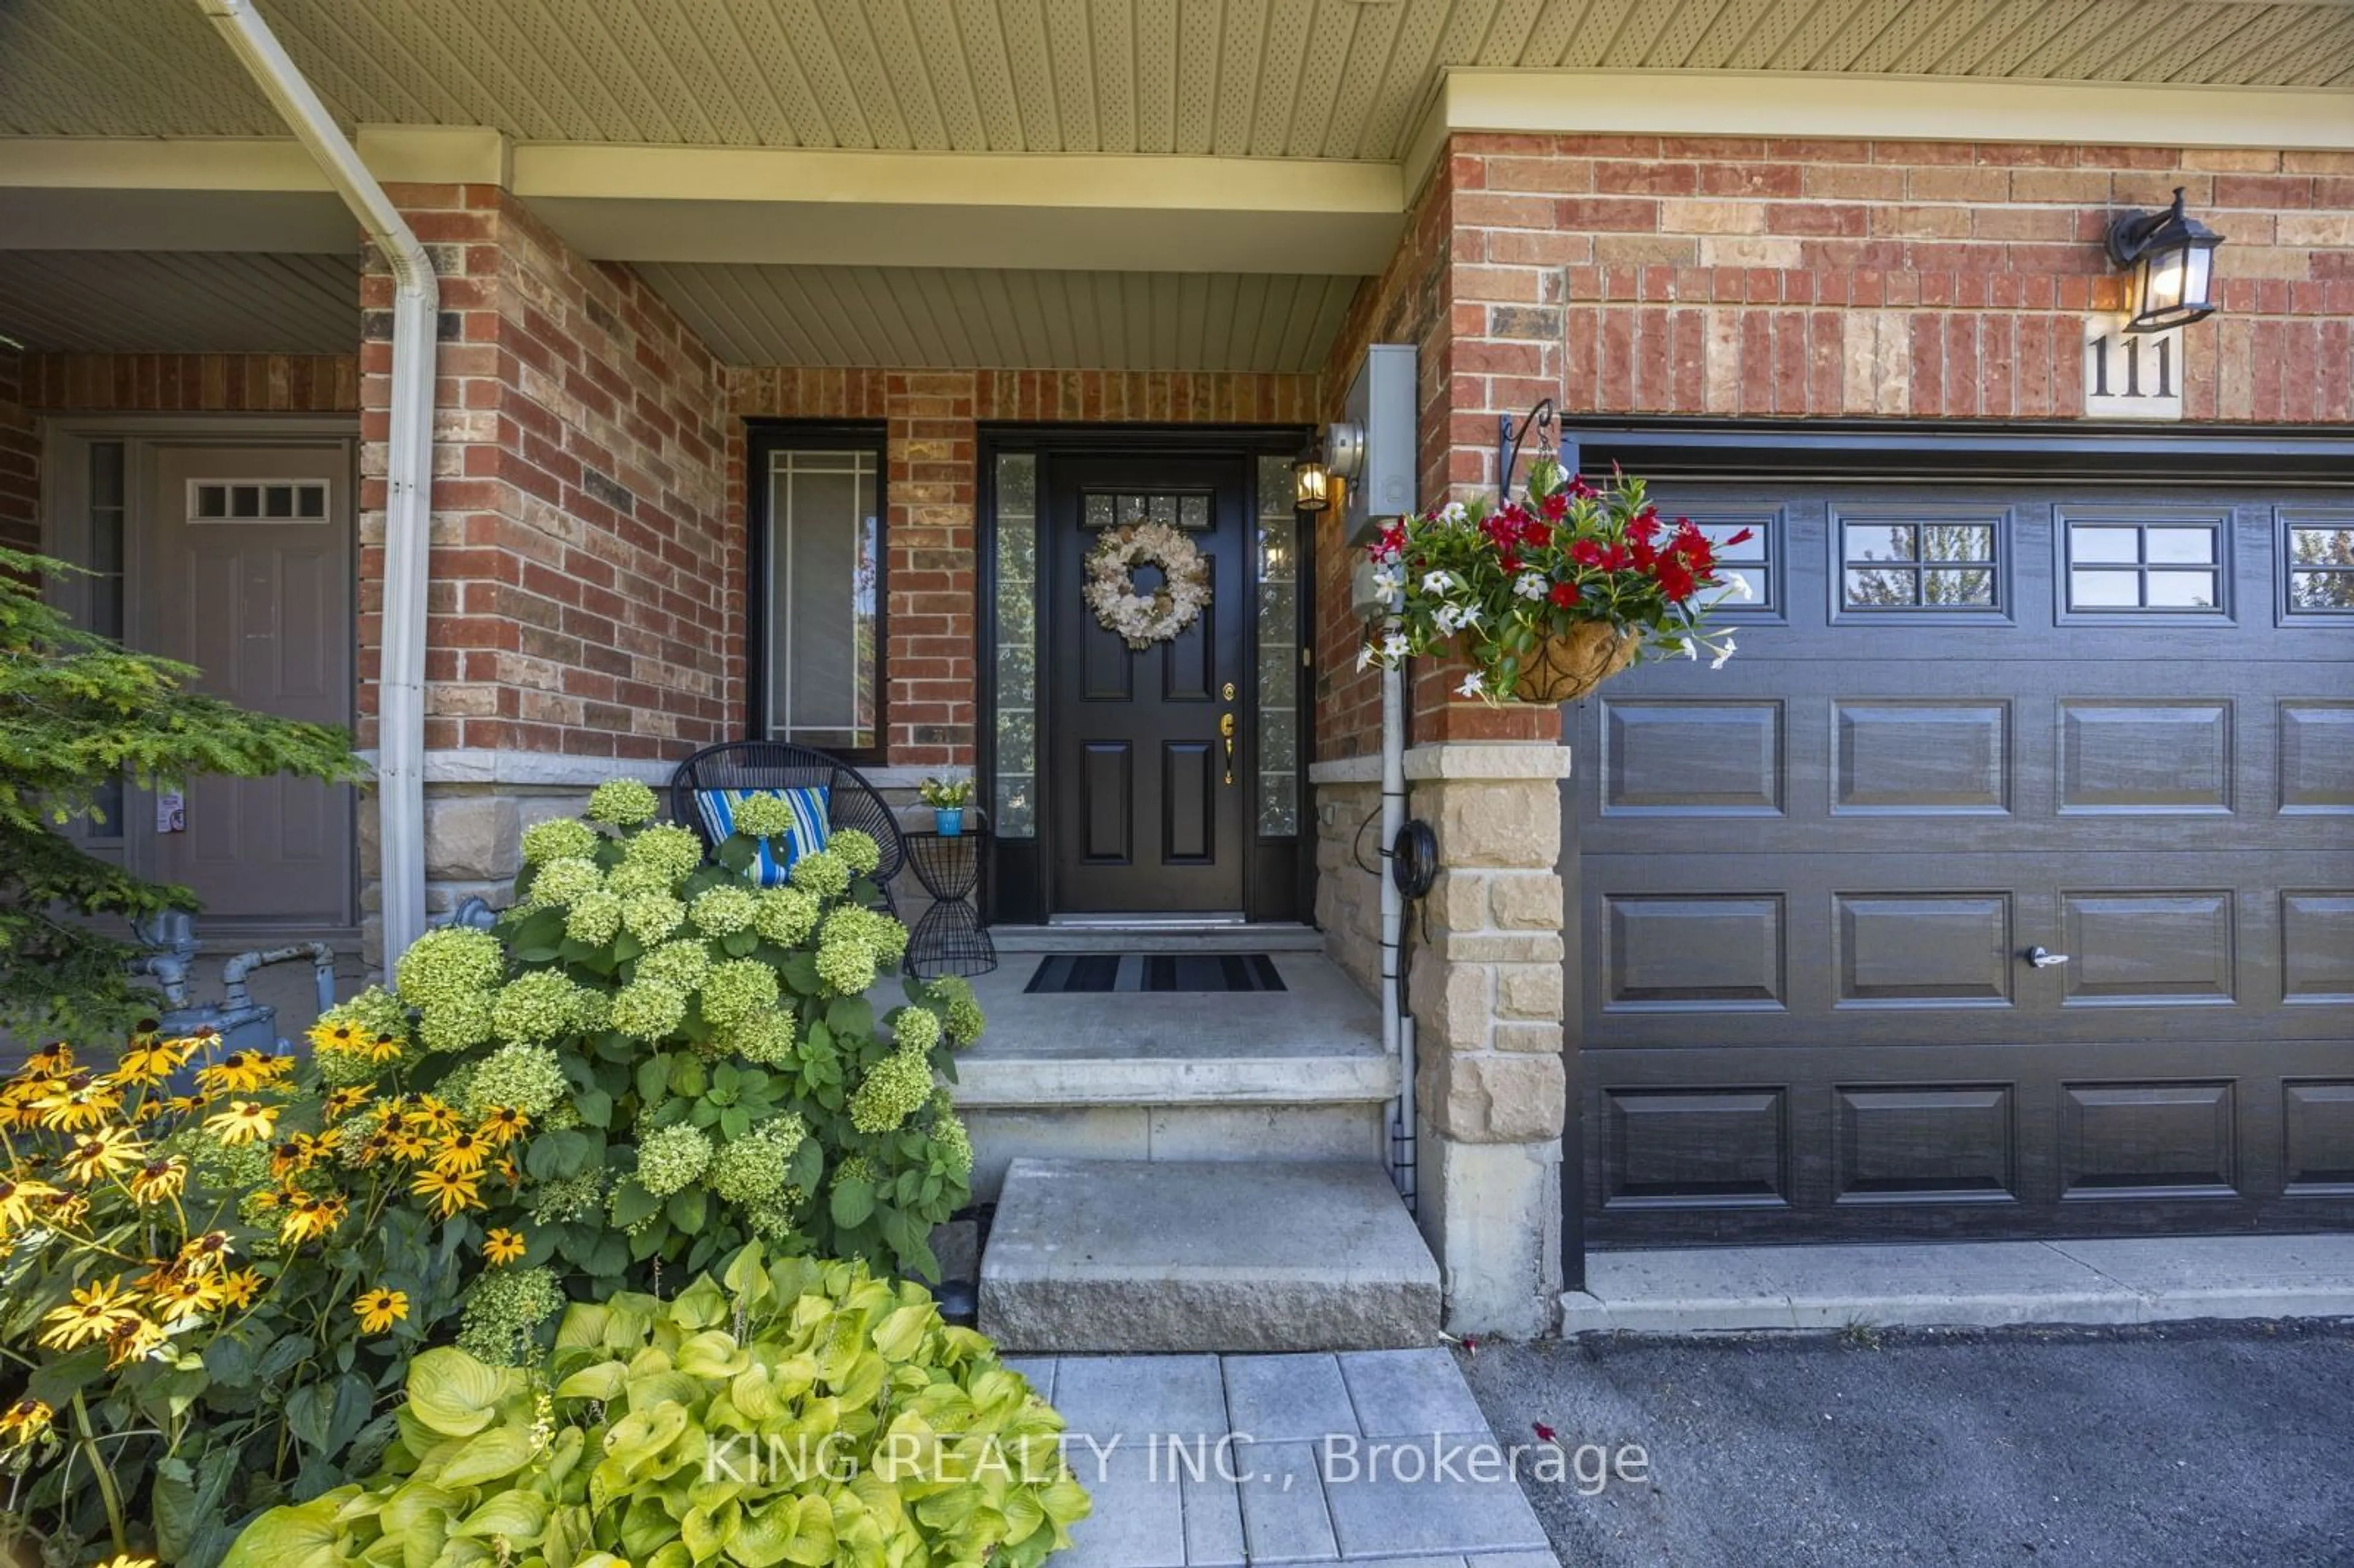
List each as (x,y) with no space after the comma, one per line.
(1381,404)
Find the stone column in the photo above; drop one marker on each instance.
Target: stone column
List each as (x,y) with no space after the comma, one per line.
(1486,993)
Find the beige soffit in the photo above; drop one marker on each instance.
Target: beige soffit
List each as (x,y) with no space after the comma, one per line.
(1690,104)
(980,318)
(1286,79)
(119,302)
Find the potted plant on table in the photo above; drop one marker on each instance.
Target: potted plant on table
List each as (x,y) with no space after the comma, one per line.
(1548,596)
(947,795)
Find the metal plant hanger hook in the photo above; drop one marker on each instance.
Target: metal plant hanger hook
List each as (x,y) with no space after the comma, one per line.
(1509,441)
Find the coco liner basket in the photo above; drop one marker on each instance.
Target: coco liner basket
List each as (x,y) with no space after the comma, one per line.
(1567,667)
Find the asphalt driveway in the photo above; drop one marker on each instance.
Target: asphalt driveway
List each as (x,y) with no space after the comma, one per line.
(2145,1448)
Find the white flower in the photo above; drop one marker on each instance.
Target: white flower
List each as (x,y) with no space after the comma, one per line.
(1469,615)
(1723,651)
(1531,585)
(1689,649)
(1736,586)
(1437,582)
(1388,583)
(1452,514)
(1473,685)
(1394,645)
(1448,618)
(1366,655)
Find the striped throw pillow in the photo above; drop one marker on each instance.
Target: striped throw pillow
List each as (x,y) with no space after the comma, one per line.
(811,828)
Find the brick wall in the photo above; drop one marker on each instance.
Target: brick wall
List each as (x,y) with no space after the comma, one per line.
(20,458)
(931,664)
(584,598)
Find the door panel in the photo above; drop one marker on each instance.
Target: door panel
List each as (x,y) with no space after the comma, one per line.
(246,575)
(1809,884)
(1146,809)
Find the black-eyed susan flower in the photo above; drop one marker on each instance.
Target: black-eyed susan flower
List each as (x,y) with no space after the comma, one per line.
(159,1181)
(334,1035)
(379,1310)
(340,1103)
(206,1252)
(150,1061)
(136,1341)
(309,1216)
(409,1145)
(436,1114)
(110,1151)
(385,1048)
(17,1199)
(24,1420)
(461,1154)
(296,1154)
(503,1124)
(449,1193)
(245,1121)
(178,1298)
(83,1100)
(127,1560)
(500,1246)
(49,1061)
(239,1072)
(94,1311)
(239,1287)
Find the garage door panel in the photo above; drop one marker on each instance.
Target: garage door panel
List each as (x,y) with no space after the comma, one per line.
(1809,882)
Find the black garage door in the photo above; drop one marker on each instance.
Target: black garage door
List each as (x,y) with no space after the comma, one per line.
(1965,724)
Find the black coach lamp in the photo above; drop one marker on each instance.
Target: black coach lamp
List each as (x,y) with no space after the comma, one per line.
(1312,481)
(2173,257)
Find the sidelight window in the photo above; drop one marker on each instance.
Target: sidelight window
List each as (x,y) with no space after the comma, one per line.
(1278,636)
(1015,786)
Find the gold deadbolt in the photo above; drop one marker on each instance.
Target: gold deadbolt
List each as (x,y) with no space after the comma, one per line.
(1230,691)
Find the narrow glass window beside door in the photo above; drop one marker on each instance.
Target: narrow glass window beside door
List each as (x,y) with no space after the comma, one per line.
(1278,635)
(1013,791)
(824,597)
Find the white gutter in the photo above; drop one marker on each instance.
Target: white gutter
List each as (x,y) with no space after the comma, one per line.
(407,467)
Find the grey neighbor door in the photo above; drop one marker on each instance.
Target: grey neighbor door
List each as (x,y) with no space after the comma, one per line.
(246,573)
(1968,728)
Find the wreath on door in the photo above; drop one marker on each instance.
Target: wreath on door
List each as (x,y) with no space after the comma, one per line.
(1140,619)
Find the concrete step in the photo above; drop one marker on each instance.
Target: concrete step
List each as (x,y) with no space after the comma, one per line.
(1158,937)
(1135,1256)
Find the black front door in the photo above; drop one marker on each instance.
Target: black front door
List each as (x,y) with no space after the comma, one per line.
(1148,770)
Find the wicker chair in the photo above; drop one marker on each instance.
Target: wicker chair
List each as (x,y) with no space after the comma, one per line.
(853,802)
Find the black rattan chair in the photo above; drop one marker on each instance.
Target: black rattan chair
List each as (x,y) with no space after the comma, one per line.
(852,801)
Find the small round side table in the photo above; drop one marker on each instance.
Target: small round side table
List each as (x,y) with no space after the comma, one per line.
(949,940)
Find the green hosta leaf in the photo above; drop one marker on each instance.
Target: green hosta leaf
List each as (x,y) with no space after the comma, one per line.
(605,1379)
(456,1396)
(299,1537)
(516,1514)
(489,1457)
(713,1353)
(899,1335)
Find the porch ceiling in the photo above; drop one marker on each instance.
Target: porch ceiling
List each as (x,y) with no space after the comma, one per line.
(182,302)
(1007,319)
(1302,78)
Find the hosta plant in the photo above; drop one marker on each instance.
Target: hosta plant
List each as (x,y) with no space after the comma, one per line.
(1510,588)
(797,1413)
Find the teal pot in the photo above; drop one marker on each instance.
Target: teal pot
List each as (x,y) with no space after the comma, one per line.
(948,821)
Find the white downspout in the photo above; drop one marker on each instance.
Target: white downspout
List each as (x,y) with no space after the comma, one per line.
(1397,1029)
(407,467)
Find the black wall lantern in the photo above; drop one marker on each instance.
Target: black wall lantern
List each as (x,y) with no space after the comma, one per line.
(2173,258)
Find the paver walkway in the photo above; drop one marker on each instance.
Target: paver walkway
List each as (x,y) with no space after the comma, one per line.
(1371,1457)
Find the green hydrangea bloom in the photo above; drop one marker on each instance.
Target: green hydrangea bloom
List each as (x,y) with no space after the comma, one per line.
(674,851)
(594,919)
(847,967)
(751,1169)
(373,1012)
(631,880)
(504,1306)
(681,964)
(777,1219)
(651,916)
(459,1024)
(670,1157)
(960,1013)
(857,1168)
(558,838)
(857,848)
(894,1089)
(764,817)
(822,874)
(567,1199)
(537,1006)
(766,1038)
(564,881)
(449,962)
(916,1030)
(722,910)
(623,802)
(738,990)
(872,926)
(528,1078)
(950,1140)
(785,916)
(650,1011)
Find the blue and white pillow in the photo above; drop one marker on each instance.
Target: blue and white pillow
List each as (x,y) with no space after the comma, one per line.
(811,806)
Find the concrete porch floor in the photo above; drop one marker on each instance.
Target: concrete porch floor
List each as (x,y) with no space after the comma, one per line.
(1975,1285)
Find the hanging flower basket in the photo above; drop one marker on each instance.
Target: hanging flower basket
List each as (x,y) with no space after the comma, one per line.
(1549,598)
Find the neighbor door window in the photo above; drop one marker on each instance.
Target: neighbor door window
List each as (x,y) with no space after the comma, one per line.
(822,555)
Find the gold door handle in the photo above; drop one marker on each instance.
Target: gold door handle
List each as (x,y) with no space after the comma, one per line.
(1227,730)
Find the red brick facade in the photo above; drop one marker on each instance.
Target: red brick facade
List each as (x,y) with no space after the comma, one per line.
(586,575)
(194,382)
(932,660)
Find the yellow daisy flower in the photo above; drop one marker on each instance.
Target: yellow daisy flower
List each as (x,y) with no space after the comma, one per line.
(159,1181)
(16,1200)
(49,1060)
(449,1192)
(240,1288)
(239,1072)
(408,1145)
(24,1420)
(381,1308)
(385,1048)
(83,1100)
(501,1246)
(95,1311)
(150,1061)
(324,1036)
(110,1151)
(309,1216)
(504,1124)
(136,1341)
(182,1297)
(461,1154)
(206,1252)
(296,1155)
(126,1560)
(341,1102)
(436,1114)
(245,1121)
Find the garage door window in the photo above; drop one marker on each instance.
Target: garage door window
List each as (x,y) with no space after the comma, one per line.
(2115,565)
(1904,564)
(2320,568)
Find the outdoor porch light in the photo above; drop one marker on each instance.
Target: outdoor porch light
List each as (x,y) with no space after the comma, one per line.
(2173,257)
(1312,483)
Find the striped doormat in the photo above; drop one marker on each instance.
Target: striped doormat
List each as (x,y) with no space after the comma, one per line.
(1073,973)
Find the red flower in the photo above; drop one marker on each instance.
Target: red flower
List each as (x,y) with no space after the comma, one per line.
(1645,526)
(1586,553)
(1556,505)
(1564,594)
(1616,558)
(1675,577)
(1580,489)
(1535,531)
(1389,543)
(1644,556)
(1511,563)
(1743,537)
